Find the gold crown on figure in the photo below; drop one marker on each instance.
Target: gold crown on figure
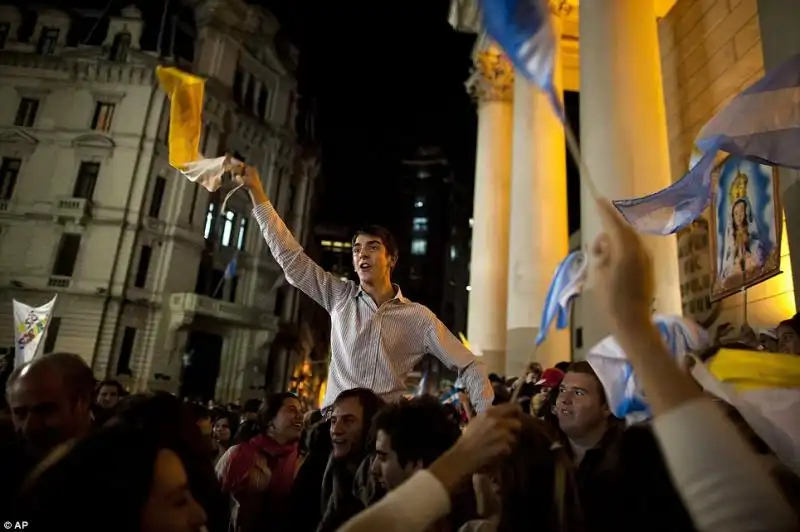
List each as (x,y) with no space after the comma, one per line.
(738,188)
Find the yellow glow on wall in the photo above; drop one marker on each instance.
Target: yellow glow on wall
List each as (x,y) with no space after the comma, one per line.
(322,389)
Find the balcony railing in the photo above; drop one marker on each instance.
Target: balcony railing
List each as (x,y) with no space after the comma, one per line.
(190,304)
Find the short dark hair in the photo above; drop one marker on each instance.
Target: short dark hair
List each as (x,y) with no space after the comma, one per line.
(271,406)
(370,402)
(387,238)
(111,382)
(420,429)
(76,373)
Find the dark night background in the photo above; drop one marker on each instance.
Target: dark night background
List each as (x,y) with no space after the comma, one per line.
(386,78)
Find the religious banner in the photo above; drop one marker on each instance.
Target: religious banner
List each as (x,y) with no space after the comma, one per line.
(30,326)
(694,259)
(745,226)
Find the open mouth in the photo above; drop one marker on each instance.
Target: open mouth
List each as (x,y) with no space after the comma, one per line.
(364,266)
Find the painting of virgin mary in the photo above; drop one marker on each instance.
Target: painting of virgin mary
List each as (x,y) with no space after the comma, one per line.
(746,226)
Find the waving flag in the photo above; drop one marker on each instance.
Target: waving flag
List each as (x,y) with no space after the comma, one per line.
(186,92)
(524,30)
(761,123)
(681,335)
(30,326)
(230,269)
(566,285)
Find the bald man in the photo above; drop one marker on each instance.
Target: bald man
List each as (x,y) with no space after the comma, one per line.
(50,400)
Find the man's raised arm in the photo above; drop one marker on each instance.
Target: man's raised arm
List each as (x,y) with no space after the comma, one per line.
(301,272)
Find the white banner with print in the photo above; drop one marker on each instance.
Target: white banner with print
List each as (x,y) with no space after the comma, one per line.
(30,326)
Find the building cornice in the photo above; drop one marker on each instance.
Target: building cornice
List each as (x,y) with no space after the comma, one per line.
(81,68)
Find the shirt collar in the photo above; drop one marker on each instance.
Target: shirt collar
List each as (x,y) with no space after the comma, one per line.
(398,294)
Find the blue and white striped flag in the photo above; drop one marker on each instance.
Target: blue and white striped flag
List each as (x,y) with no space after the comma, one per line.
(230,270)
(566,285)
(761,123)
(524,31)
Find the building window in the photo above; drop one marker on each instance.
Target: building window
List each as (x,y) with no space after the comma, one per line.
(249,95)
(126,351)
(103,116)
(26,112)
(209,221)
(9,170)
(158,196)
(51,335)
(419,246)
(47,41)
(419,224)
(232,283)
(419,202)
(227,228)
(143,267)
(119,49)
(86,181)
(238,83)
(240,240)
(67,255)
(453,253)
(5,28)
(193,205)
(263,100)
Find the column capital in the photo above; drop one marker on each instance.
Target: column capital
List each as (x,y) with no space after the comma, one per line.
(492,77)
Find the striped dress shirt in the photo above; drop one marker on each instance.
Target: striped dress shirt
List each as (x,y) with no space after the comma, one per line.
(371,347)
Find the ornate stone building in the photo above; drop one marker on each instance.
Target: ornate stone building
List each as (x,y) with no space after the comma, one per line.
(650,73)
(90,209)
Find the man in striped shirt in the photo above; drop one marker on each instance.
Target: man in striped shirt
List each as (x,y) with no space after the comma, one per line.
(377,335)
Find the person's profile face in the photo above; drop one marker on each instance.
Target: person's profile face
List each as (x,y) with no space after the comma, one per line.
(371,259)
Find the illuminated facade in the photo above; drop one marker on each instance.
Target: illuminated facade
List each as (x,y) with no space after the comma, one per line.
(650,73)
(90,209)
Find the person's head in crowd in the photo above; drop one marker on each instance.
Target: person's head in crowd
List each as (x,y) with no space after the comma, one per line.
(551,378)
(250,410)
(537,479)
(494,378)
(409,436)
(133,481)
(788,332)
(502,394)
(281,417)
(353,412)
(563,366)
(312,417)
(533,373)
(109,392)
(224,427)
(582,407)
(51,399)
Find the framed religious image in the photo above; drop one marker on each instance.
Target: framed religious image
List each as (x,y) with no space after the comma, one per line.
(745,226)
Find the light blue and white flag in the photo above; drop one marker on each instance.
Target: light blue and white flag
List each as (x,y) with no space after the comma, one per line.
(524,31)
(566,285)
(626,399)
(761,123)
(669,210)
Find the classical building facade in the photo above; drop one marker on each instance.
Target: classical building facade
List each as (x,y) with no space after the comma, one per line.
(650,73)
(91,211)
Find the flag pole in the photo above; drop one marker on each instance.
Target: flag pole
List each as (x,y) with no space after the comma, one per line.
(575,152)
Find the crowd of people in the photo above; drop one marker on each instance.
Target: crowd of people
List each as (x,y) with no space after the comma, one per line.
(543,452)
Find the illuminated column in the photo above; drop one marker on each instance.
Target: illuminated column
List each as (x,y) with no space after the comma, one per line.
(492,84)
(539,237)
(624,132)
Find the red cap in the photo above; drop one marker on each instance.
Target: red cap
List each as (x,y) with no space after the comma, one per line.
(551,378)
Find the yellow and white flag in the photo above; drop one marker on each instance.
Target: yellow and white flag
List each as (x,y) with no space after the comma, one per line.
(30,326)
(186,92)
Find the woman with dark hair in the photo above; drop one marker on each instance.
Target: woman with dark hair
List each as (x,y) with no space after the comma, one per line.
(131,480)
(224,425)
(163,413)
(259,473)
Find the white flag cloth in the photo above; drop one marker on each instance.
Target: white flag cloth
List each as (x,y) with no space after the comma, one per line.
(208,174)
(30,326)
(681,336)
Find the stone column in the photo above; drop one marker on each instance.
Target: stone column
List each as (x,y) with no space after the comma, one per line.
(539,237)
(623,133)
(492,85)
